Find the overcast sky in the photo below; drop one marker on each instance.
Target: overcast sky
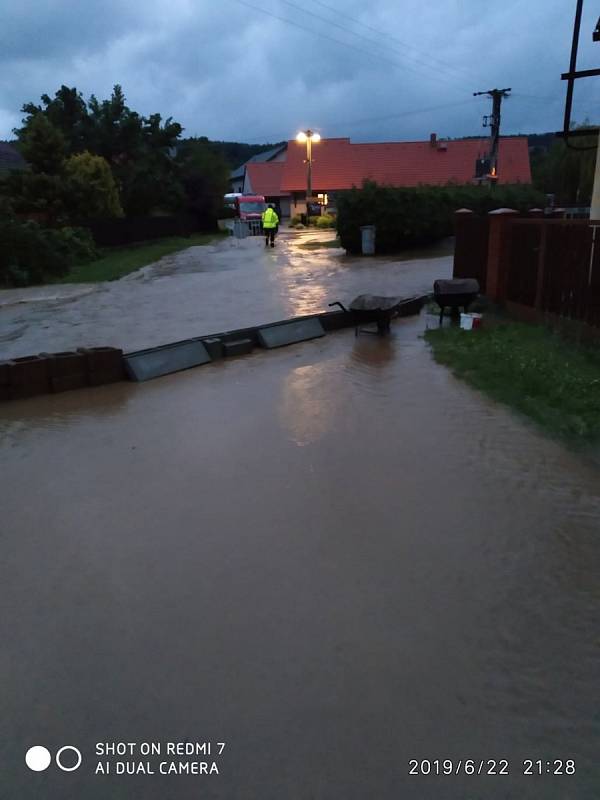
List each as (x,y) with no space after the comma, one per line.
(259,70)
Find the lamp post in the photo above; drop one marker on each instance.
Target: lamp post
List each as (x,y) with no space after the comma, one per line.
(309,137)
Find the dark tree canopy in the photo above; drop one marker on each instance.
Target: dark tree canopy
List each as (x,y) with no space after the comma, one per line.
(138,149)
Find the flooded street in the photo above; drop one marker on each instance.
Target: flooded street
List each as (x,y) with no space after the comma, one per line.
(232,284)
(335,557)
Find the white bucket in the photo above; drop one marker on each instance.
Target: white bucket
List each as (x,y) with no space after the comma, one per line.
(469,322)
(466,322)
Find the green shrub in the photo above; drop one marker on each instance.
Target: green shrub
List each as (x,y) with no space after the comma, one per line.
(30,253)
(295,220)
(414,216)
(90,187)
(325,221)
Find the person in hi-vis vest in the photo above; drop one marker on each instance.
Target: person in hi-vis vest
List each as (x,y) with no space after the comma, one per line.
(270,221)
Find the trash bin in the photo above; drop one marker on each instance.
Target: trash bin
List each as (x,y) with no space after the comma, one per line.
(368,239)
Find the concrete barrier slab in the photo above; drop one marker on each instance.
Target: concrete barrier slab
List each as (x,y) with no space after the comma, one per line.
(214,347)
(299,331)
(163,360)
(239,347)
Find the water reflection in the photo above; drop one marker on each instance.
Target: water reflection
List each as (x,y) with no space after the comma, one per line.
(309,402)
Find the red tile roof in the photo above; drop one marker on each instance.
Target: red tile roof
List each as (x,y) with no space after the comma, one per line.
(265,178)
(339,164)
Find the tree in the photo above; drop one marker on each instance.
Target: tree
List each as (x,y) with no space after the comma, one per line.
(567,172)
(36,193)
(67,111)
(42,145)
(90,187)
(138,149)
(205,176)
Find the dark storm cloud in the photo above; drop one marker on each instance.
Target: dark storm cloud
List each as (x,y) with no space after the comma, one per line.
(256,71)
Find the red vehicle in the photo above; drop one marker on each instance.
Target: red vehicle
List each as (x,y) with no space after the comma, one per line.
(247,206)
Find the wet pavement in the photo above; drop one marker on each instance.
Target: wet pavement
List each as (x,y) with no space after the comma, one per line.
(334,557)
(202,290)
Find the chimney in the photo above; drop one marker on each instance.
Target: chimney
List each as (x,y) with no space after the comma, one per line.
(433,139)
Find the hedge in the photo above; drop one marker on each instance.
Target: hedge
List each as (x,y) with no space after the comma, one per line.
(414,216)
(30,253)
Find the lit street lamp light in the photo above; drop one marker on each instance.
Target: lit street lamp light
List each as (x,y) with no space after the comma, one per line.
(309,137)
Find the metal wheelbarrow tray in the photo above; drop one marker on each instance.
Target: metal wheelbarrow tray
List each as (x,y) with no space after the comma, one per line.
(368,308)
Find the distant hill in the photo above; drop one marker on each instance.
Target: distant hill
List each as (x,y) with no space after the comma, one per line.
(235,153)
(10,158)
(540,141)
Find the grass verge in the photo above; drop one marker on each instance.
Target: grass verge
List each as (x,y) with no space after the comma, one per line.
(118,261)
(528,367)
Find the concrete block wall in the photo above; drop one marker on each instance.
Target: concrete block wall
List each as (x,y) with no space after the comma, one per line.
(57,372)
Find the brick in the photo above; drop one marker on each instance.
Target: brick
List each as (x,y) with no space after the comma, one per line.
(28,377)
(5,372)
(100,377)
(101,359)
(63,383)
(22,391)
(66,363)
(29,369)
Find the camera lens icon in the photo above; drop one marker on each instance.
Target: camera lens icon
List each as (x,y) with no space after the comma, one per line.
(73,767)
(38,758)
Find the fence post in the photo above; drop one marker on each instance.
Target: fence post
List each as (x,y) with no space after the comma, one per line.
(498,252)
(541,267)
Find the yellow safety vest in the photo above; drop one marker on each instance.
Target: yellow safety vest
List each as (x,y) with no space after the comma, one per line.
(270,218)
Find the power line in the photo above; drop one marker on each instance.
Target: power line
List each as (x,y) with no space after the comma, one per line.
(535,97)
(370,40)
(328,38)
(351,123)
(310,30)
(459,71)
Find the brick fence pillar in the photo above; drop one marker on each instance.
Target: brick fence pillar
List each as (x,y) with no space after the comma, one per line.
(498,252)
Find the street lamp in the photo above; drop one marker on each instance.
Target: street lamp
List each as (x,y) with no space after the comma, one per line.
(309,137)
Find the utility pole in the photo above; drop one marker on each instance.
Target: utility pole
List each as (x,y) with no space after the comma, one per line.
(571,76)
(493,121)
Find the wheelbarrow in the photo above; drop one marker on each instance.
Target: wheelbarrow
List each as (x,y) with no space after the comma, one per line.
(367,308)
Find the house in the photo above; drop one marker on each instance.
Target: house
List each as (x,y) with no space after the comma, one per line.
(266,178)
(237,177)
(10,158)
(339,164)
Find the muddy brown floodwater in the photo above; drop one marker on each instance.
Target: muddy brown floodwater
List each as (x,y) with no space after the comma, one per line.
(231,284)
(334,557)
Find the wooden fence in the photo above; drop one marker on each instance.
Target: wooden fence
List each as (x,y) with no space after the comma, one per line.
(550,268)
(545,266)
